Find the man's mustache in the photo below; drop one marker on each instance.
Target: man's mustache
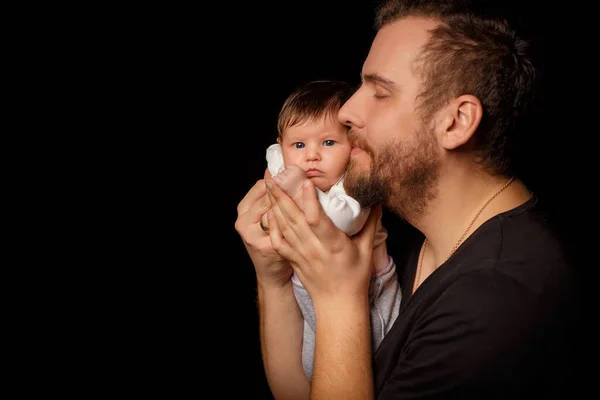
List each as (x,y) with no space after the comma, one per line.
(357,141)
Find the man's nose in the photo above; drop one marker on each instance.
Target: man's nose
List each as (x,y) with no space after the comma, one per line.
(348,115)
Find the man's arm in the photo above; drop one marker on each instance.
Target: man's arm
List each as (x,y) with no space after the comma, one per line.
(342,368)
(335,270)
(280,318)
(281,329)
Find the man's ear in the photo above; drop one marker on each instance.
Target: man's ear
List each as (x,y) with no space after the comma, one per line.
(461,119)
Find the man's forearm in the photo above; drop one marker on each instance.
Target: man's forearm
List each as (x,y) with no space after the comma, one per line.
(281,329)
(342,368)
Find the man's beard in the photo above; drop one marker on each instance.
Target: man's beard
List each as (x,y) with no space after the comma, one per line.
(402,175)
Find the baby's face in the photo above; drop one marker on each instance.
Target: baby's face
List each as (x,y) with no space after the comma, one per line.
(320,148)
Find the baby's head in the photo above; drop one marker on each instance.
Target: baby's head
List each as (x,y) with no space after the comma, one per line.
(310,133)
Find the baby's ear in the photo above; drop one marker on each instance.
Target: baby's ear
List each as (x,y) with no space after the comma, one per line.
(278,140)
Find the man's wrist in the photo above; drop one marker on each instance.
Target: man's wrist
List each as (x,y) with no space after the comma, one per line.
(275,286)
(355,306)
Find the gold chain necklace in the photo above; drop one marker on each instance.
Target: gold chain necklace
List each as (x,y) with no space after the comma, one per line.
(456,246)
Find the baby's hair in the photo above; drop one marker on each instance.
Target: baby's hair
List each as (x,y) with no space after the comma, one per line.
(312,101)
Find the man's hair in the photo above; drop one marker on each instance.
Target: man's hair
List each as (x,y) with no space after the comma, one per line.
(312,101)
(474,50)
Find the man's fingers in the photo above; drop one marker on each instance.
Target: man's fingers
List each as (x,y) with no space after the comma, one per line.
(286,213)
(267,174)
(251,197)
(367,234)
(278,242)
(252,207)
(320,223)
(310,203)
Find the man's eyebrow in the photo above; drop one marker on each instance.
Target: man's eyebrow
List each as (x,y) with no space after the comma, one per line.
(374,78)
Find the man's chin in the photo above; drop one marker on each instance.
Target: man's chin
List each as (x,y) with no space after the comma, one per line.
(354,179)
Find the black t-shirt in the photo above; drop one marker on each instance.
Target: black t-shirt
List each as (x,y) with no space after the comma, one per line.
(493,322)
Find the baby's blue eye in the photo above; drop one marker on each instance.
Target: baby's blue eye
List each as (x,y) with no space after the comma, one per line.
(329,142)
(299,145)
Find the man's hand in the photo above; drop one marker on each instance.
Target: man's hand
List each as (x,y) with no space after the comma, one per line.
(335,270)
(270,267)
(327,261)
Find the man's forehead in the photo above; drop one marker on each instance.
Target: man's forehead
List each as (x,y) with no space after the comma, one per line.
(397,44)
